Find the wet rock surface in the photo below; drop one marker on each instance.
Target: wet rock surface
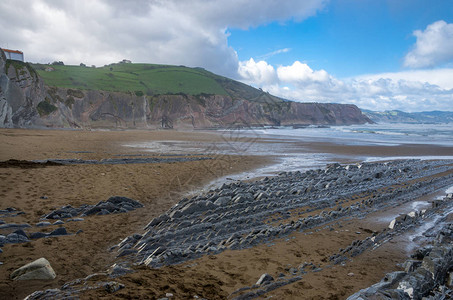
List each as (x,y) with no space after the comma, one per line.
(115,204)
(244,214)
(427,276)
(13,233)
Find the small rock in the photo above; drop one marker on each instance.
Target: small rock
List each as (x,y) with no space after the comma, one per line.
(38,269)
(117,270)
(350,274)
(113,286)
(14,238)
(168,295)
(59,231)
(44,197)
(13,225)
(221,201)
(76,220)
(43,224)
(392,224)
(265,278)
(21,232)
(58,222)
(449,282)
(38,235)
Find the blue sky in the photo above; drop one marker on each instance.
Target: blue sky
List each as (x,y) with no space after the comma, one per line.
(379,55)
(346,38)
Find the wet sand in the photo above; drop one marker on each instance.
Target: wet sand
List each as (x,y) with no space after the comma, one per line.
(158,187)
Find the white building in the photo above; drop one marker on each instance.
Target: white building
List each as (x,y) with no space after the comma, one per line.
(14,54)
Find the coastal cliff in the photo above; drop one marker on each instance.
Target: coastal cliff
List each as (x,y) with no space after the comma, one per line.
(21,90)
(27,101)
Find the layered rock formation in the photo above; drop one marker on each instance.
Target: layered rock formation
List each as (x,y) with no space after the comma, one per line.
(25,102)
(242,215)
(21,90)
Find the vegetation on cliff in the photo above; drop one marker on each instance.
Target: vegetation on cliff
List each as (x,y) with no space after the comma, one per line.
(150,80)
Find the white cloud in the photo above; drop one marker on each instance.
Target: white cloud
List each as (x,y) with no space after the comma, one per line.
(192,33)
(301,73)
(434,46)
(257,73)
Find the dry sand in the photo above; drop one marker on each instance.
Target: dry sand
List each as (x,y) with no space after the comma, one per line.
(158,187)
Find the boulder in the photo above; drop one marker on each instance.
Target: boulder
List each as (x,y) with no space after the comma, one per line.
(40,269)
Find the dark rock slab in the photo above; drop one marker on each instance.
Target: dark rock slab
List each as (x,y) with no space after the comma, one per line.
(115,204)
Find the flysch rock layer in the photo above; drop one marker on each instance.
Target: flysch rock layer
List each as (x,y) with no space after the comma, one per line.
(241,215)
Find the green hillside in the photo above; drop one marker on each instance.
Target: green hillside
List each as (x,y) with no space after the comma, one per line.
(148,79)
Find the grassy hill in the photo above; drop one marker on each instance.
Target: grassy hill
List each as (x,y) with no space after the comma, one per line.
(149,79)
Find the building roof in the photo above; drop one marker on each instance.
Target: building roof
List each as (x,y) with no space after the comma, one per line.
(12,51)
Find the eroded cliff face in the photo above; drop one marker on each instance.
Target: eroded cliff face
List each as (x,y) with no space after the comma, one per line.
(26,102)
(20,92)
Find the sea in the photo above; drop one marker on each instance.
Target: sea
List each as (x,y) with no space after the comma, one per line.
(290,147)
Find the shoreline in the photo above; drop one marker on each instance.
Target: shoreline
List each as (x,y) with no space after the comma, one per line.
(159,187)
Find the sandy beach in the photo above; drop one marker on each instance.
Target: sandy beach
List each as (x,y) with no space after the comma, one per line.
(37,190)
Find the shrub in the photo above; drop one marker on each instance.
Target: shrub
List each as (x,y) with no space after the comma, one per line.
(45,108)
(75,93)
(69,102)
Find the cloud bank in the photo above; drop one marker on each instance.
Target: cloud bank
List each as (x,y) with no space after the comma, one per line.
(191,33)
(407,91)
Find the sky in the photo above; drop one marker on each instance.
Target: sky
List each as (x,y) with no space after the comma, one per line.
(377,54)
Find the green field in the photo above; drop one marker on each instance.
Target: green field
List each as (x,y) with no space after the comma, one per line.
(146,78)
(149,79)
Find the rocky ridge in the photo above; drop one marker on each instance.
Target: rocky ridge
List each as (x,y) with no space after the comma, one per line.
(241,215)
(113,205)
(427,275)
